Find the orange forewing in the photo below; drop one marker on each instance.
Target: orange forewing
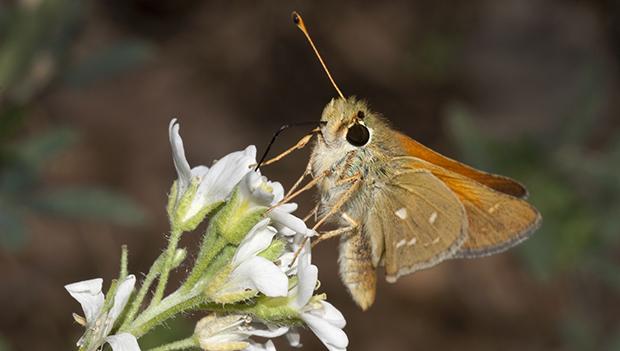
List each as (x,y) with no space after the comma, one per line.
(497,182)
(498,218)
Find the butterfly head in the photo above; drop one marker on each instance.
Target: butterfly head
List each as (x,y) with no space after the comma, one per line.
(347,123)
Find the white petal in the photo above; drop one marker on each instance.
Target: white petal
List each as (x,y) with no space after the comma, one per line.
(288,220)
(123,292)
(284,262)
(254,188)
(330,314)
(178,156)
(123,342)
(294,338)
(199,171)
(288,207)
(225,174)
(254,346)
(331,336)
(267,331)
(307,275)
(261,274)
(224,337)
(284,231)
(88,294)
(255,241)
(278,192)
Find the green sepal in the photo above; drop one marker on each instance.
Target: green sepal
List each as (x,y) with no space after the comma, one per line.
(180,207)
(178,258)
(274,250)
(234,297)
(193,222)
(276,310)
(177,210)
(172,197)
(236,218)
(218,264)
(218,271)
(216,282)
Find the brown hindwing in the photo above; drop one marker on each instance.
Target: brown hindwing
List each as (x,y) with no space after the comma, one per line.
(497,221)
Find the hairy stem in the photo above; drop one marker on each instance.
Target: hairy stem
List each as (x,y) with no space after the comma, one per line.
(178,345)
(172,305)
(137,301)
(175,236)
(212,245)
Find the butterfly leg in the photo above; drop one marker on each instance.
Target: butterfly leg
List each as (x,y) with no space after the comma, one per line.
(355,180)
(306,173)
(300,145)
(314,213)
(309,185)
(355,184)
(356,269)
(332,234)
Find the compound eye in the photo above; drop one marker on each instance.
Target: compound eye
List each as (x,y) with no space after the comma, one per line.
(358,135)
(360,114)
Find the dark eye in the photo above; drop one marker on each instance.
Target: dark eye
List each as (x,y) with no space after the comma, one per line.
(358,135)
(360,114)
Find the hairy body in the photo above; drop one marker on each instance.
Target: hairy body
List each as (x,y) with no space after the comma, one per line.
(400,205)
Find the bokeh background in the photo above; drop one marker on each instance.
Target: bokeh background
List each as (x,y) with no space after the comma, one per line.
(526,88)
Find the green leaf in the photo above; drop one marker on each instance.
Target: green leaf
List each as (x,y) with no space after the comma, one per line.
(92,204)
(109,62)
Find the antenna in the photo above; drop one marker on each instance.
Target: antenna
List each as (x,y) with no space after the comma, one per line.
(299,22)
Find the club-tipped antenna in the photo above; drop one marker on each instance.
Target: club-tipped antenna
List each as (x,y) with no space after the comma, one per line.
(299,22)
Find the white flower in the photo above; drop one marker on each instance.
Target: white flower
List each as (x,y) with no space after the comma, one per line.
(287,261)
(214,184)
(260,192)
(320,316)
(232,332)
(99,322)
(252,272)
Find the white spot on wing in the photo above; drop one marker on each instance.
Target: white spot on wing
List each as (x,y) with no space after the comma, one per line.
(401,213)
(432,218)
(435,241)
(401,243)
(494,208)
(412,242)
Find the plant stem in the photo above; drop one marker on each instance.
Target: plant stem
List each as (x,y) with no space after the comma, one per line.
(178,345)
(123,272)
(212,245)
(175,303)
(165,271)
(137,301)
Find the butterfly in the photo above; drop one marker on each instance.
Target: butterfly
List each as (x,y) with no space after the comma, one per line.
(399,205)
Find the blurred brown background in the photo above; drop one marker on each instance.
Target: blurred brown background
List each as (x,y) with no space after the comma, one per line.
(520,87)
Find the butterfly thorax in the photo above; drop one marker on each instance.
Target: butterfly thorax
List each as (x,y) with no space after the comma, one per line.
(346,165)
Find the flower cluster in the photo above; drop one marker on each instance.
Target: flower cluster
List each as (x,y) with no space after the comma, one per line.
(246,277)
